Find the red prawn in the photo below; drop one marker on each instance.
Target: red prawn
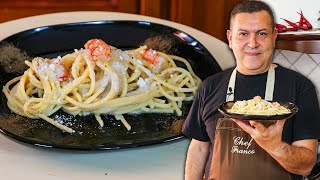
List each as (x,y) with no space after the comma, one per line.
(150,55)
(62,72)
(98,48)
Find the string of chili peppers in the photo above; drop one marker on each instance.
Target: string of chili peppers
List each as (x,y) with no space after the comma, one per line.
(302,24)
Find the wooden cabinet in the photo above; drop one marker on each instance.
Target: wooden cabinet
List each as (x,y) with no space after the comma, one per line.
(210,16)
(305,43)
(14,9)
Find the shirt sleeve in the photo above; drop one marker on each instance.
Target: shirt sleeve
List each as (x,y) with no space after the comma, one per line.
(307,120)
(194,126)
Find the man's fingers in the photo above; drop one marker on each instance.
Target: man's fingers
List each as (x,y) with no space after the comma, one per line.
(281,122)
(252,127)
(257,125)
(244,125)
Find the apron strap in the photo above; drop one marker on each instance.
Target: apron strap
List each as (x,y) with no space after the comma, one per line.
(231,85)
(269,85)
(268,96)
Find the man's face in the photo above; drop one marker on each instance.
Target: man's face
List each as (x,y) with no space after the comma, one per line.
(252,40)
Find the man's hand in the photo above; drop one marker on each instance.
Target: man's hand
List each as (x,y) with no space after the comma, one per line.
(269,138)
(297,158)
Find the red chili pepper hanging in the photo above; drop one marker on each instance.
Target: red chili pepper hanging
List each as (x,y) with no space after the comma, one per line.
(294,26)
(303,21)
(292,29)
(281,28)
(303,27)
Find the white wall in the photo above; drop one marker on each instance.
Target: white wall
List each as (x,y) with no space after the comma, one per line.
(288,9)
(306,64)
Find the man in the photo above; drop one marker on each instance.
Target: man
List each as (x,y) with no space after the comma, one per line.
(285,149)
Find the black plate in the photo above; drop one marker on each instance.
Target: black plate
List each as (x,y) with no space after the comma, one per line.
(228,105)
(57,40)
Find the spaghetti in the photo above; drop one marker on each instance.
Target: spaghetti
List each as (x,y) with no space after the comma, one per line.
(258,106)
(101,79)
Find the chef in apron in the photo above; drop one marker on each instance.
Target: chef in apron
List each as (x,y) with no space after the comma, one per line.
(236,156)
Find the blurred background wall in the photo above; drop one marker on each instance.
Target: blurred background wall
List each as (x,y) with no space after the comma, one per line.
(210,16)
(288,9)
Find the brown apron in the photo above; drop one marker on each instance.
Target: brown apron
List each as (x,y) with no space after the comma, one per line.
(236,156)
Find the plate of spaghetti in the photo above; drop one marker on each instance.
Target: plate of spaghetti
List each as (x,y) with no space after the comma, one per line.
(99,85)
(258,109)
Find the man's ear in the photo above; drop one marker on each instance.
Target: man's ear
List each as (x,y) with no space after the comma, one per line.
(229,36)
(275,35)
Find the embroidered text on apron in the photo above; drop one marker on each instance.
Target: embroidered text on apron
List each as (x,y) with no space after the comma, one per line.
(236,156)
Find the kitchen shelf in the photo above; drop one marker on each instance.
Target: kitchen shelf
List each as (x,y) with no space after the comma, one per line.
(306,43)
